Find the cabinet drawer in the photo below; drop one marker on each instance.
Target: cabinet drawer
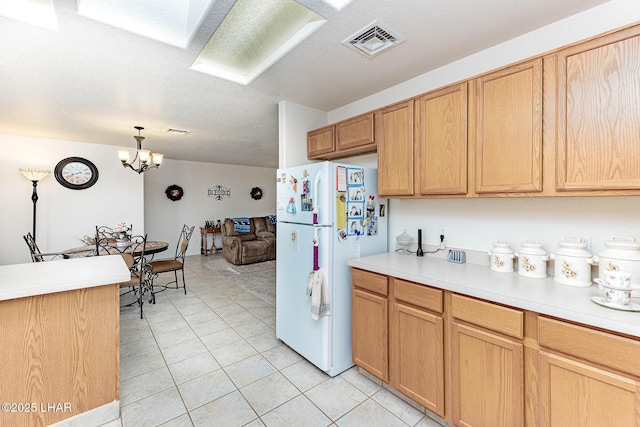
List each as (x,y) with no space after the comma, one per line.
(597,346)
(420,295)
(491,316)
(369,281)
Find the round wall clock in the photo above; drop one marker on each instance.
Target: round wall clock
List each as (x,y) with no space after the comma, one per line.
(174,192)
(256,193)
(76,173)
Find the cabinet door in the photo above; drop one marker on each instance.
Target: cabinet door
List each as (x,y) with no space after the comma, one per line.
(441,140)
(598,109)
(355,133)
(369,323)
(573,393)
(394,136)
(321,141)
(508,130)
(418,356)
(487,376)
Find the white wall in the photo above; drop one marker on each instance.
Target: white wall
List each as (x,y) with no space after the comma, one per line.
(295,121)
(164,218)
(476,223)
(63,215)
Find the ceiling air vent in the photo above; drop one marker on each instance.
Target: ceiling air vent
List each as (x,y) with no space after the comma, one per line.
(372,40)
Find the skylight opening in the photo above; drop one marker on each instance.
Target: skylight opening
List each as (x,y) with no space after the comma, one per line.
(172,22)
(253,36)
(34,12)
(337,4)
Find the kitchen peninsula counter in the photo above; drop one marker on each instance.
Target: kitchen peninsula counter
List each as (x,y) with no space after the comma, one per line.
(544,296)
(59,325)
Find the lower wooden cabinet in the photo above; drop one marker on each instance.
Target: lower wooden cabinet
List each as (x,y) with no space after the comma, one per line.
(417,352)
(575,393)
(369,320)
(466,359)
(487,375)
(587,377)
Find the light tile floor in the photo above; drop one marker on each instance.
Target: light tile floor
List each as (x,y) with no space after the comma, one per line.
(211,358)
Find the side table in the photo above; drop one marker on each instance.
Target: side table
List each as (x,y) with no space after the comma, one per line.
(204,231)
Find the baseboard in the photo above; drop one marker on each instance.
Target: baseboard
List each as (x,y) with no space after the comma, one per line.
(103,416)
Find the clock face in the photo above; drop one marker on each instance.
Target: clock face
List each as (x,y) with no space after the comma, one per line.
(76,173)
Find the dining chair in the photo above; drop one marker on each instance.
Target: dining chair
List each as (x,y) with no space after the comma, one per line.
(33,247)
(38,256)
(54,256)
(141,278)
(176,264)
(105,237)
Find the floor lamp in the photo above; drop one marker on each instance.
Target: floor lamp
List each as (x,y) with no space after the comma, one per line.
(34,175)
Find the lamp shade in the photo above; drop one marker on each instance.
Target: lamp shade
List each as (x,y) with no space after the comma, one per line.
(157,158)
(124,155)
(34,174)
(144,156)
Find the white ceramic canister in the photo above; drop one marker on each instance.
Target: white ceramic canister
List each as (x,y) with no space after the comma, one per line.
(532,260)
(501,257)
(622,253)
(572,263)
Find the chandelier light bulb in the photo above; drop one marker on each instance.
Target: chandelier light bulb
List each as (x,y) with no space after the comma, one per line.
(124,156)
(144,156)
(146,159)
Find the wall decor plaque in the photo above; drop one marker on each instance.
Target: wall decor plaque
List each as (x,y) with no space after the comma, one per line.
(218,192)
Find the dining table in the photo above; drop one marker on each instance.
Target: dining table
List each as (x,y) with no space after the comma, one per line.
(151,247)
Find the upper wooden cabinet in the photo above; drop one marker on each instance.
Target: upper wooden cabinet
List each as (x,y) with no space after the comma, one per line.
(508,129)
(562,124)
(321,141)
(441,141)
(598,106)
(343,139)
(355,133)
(394,135)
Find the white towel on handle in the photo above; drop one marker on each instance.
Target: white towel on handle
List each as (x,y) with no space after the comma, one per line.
(317,290)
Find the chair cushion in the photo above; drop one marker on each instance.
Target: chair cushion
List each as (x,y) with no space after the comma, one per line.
(133,281)
(266,235)
(255,248)
(260,224)
(246,237)
(271,227)
(165,265)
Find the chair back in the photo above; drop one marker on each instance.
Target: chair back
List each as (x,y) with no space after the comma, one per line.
(33,247)
(183,241)
(135,259)
(107,244)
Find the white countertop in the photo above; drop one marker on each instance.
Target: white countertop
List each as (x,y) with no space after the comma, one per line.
(543,296)
(39,278)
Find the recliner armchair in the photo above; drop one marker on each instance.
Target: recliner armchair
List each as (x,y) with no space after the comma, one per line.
(256,245)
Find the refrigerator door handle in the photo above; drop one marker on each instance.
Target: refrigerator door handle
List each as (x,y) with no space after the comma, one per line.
(314,200)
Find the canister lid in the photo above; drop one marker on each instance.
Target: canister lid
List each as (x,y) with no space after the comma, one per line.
(532,247)
(572,246)
(501,247)
(622,247)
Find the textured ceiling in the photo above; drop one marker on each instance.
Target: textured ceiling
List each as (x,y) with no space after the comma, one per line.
(92,82)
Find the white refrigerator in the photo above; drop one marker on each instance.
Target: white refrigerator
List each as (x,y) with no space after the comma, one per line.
(326,213)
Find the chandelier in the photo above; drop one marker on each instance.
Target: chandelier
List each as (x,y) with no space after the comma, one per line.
(146,159)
